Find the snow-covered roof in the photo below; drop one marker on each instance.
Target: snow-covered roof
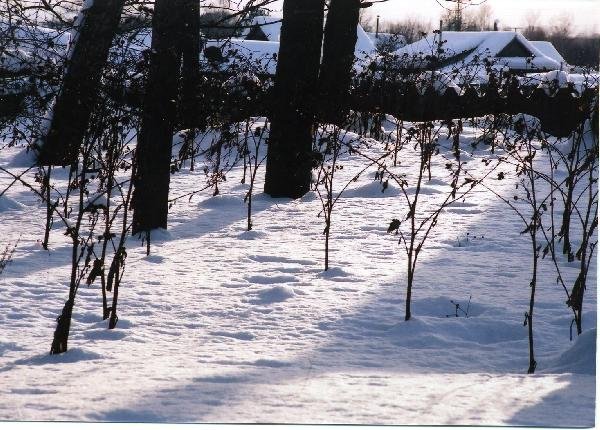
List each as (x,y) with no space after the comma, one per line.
(271,27)
(32,38)
(263,54)
(438,81)
(552,81)
(385,38)
(364,44)
(23,47)
(470,47)
(549,50)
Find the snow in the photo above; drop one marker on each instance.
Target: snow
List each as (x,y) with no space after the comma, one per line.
(439,81)
(387,38)
(15,60)
(364,44)
(474,47)
(222,325)
(549,50)
(7,204)
(262,55)
(78,25)
(581,357)
(25,47)
(271,26)
(551,81)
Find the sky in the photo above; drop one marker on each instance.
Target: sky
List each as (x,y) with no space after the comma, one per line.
(584,14)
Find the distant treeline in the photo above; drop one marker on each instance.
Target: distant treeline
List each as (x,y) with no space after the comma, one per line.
(576,50)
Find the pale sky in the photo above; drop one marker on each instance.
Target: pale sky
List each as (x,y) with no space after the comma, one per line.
(585,14)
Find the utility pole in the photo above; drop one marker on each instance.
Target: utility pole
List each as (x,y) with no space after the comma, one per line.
(377,28)
(458,13)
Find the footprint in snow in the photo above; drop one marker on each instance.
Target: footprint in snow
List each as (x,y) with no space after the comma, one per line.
(240,335)
(278,279)
(221,379)
(251,235)
(268,362)
(156,259)
(276,294)
(73,355)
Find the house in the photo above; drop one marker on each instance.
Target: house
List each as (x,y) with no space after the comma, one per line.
(387,42)
(256,56)
(268,29)
(263,28)
(467,56)
(258,46)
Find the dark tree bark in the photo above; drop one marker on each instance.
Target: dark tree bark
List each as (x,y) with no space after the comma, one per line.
(79,91)
(289,156)
(63,322)
(151,195)
(339,45)
(190,71)
(49,208)
(63,326)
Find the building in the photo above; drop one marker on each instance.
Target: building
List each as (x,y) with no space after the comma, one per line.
(258,46)
(467,56)
(387,42)
(263,28)
(268,29)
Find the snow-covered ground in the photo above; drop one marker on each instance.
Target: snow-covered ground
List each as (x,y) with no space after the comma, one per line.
(223,325)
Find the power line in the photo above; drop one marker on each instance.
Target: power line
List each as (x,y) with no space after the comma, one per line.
(444,7)
(458,12)
(459,9)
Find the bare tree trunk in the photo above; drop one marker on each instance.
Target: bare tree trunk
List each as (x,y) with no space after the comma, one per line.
(49,208)
(289,156)
(327,231)
(532,362)
(339,45)
(79,90)
(115,280)
(63,322)
(409,285)
(190,71)
(63,326)
(150,200)
(565,228)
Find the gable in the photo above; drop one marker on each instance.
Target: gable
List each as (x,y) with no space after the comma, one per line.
(515,49)
(256,33)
